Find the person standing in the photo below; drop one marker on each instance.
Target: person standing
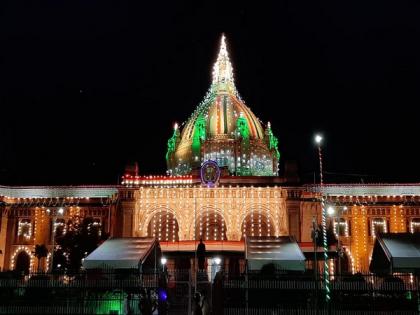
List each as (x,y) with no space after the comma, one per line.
(201,255)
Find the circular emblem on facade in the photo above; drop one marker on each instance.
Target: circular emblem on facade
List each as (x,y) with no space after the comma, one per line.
(210,173)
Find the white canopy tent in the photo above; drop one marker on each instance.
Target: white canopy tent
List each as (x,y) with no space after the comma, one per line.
(396,252)
(282,251)
(123,253)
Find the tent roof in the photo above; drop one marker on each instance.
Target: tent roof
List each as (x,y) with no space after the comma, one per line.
(121,253)
(283,251)
(396,252)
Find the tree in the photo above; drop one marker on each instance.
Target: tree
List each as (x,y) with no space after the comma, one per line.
(41,251)
(79,241)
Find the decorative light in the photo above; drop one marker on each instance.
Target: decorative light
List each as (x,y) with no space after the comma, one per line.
(332,269)
(25,228)
(47,261)
(223,213)
(414,225)
(378,222)
(337,227)
(60,223)
(28,251)
(330,210)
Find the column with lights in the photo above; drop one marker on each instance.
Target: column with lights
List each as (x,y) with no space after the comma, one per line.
(359,236)
(318,140)
(397,222)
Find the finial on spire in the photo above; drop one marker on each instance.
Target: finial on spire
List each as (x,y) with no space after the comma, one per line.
(222,69)
(175,126)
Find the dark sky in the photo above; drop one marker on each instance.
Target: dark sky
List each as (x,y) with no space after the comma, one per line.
(87,86)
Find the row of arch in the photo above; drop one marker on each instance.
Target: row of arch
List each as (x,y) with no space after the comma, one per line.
(208,225)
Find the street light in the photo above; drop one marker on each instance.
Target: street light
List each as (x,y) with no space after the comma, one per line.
(318,140)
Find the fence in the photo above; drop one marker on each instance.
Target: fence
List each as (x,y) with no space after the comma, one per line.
(252,293)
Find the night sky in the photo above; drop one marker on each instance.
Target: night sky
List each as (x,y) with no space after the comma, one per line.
(87,86)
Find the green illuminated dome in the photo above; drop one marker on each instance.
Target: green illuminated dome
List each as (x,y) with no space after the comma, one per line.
(222,128)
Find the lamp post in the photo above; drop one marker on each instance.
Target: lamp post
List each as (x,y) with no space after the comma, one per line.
(318,140)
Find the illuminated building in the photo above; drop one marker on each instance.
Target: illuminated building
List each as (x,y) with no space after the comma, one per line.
(223,129)
(221,202)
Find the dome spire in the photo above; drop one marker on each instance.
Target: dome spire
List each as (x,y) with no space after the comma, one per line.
(222,69)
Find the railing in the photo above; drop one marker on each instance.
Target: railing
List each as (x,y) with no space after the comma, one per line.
(255,293)
(279,311)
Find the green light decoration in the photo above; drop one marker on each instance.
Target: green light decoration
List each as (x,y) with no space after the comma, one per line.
(273,142)
(109,303)
(243,130)
(198,136)
(172,142)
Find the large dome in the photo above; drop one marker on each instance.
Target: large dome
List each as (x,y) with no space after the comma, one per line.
(222,128)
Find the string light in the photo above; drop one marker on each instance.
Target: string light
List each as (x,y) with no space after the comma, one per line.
(47,261)
(378,222)
(60,223)
(338,225)
(207,222)
(25,228)
(415,225)
(348,252)
(25,249)
(164,181)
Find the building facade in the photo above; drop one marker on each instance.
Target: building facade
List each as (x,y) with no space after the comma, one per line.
(222,184)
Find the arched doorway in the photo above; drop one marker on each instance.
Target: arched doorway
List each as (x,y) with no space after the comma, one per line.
(23,262)
(164,226)
(210,226)
(257,224)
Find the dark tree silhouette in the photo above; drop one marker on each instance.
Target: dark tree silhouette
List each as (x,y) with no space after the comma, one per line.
(79,241)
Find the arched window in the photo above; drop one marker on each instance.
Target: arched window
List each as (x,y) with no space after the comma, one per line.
(415,225)
(24,229)
(341,227)
(163,226)
(60,227)
(257,224)
(210,225)
(378,225)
